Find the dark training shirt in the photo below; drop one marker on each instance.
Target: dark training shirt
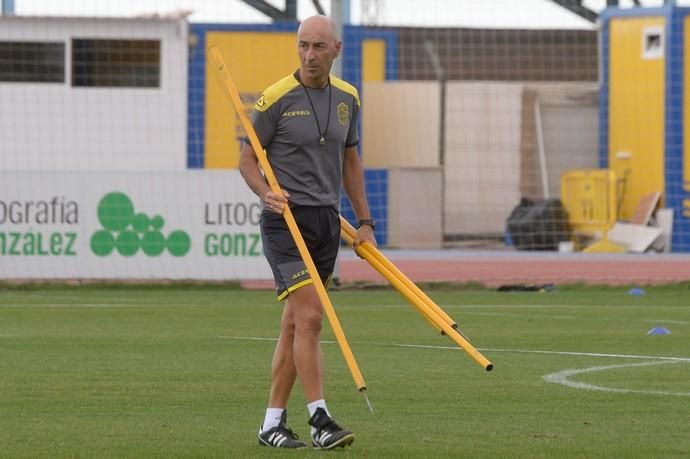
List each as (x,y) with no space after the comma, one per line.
(285,122)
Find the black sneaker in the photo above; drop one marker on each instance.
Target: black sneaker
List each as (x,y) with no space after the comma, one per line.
(280,436)
(326,433)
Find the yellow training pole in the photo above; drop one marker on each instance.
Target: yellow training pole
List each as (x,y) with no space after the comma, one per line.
(291,223)
(429,315)
(373,256)
(345,225)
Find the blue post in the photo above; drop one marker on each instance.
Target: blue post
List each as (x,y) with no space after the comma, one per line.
(347,12)
(7,7)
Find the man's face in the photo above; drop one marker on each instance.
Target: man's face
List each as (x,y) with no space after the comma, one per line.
(317,47)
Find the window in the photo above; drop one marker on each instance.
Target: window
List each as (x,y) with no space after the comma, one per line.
(653,42)
(116,63)
(32,62)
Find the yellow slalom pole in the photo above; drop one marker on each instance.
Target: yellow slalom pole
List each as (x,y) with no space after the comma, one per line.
(291,223)
(403,278)
(374,257)
(429,315)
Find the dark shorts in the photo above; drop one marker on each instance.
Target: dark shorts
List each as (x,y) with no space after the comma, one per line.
(320,228)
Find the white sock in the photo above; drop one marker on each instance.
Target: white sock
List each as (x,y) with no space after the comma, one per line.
(321,403)
(272,419)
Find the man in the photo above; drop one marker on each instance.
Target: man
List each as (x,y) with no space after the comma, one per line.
(307,123)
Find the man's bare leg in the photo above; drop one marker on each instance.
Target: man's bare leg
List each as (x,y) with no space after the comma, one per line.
(306,310)
(274,431)
(283,371)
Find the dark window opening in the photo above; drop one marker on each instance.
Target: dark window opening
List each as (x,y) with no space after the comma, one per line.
(32,62)
(116,63)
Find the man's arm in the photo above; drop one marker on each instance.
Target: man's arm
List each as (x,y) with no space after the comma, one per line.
(353,182)
(251,172)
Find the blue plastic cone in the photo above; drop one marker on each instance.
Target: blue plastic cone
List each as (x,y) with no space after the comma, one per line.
(659,331)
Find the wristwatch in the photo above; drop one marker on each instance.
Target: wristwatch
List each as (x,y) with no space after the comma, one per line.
(366,221)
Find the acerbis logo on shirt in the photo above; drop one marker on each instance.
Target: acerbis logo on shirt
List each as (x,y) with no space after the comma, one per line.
(296,113)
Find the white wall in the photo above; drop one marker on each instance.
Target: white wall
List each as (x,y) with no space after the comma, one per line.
(491,158)
(482,161)
(570,122)
(414,207)
(400,124)
(53,126)
(48,222)
(570,132)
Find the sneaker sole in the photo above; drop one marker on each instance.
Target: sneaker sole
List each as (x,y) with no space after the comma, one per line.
(340,443)
(268,445)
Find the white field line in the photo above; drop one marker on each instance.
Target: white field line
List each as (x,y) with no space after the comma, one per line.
(521,351)
(562,377)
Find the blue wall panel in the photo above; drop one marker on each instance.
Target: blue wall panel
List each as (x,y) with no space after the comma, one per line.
(377,195)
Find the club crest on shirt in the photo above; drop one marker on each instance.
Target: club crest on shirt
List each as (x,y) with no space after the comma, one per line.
(343,113)
(261,102)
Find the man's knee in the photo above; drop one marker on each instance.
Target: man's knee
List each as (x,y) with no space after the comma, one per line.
(310,321)
(308,312)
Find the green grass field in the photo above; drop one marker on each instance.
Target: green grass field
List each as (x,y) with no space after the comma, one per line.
(179,372)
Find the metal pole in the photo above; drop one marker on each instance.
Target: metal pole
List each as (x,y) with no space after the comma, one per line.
(7,7)
(440,72)
(291,9)
(340,13)
(540,147)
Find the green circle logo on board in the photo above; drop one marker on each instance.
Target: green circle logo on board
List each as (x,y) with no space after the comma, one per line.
(127,232)
(115,211)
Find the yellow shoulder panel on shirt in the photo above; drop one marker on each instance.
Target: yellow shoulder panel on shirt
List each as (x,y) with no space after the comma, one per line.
(345,86)
(275,92)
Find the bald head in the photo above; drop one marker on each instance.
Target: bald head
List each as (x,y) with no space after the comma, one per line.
(319,24)
(317,46)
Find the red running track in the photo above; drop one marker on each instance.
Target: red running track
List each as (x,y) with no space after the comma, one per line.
(498,268)
(493,269)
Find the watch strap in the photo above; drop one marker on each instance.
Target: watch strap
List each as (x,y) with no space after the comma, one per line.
(366,221)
